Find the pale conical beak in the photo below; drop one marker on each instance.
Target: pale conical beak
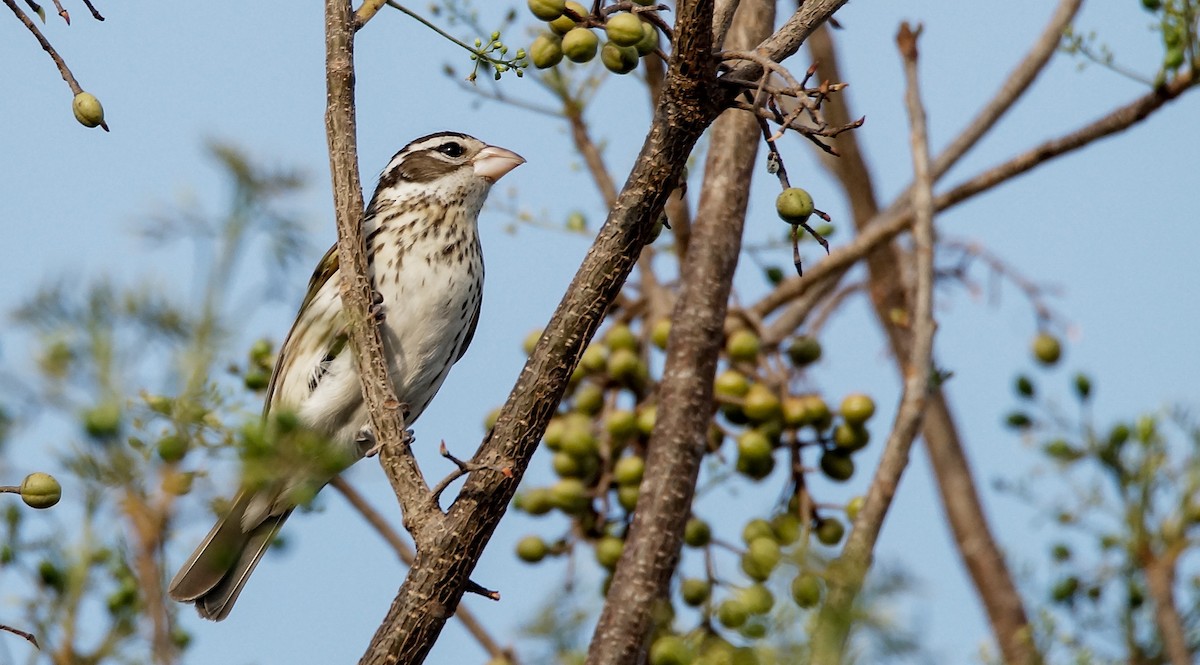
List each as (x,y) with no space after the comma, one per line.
(492,163)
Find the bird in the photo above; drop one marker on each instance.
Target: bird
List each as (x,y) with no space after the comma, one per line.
(426,266)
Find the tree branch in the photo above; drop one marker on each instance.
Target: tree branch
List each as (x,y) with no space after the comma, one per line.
(678,445)
(46,46)
(436,581)
(387,419)
(846,573)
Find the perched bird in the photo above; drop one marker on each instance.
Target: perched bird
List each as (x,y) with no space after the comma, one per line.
(426,266)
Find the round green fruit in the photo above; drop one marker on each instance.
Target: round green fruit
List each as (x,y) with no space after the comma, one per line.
(837,465)
(819,415)
(624,29)
(629,470)
(619,337)
(87,110)
(40,490)
(649,40)
(647,416)
(103,421)
(743,346)
(857,408)
(570,496)
(1047,349)
(545,52)
(564,24)
(830,531)
(547,10)
(608,551)
(732,613)
(760,558)
(588,398)
(621,424)
(595,358)
(757,598)
(804,350)
(670,650)
(172,448)
(849,437)
(627,496)
(696,533)
(794,410)
(754,446)
(624,365)
(761,404)
(757,528)
(619,59)
(794,205)
(695,591)
(532,549)
(853,507)
(731,384)
(660,332)
(580,45)
(806,590)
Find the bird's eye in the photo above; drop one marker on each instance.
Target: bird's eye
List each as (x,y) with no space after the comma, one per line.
(451,149)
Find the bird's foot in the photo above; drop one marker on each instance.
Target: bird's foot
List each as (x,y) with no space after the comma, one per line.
(376,310)
(370,446)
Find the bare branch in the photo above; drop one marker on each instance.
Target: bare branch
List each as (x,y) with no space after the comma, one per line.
(58,61)
(847,572)
(387,419)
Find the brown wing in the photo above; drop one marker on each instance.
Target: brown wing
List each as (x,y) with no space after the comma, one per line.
(325,270)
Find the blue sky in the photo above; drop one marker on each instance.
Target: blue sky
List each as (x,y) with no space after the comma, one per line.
(1110,225)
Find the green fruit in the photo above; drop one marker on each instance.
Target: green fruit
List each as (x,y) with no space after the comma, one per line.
(760,558)
(850,438)
(647,416)
(857,408)
(795,413)
(621,424)
(569,466)
(755,529)
(755,468)
(670,650)
(787,528)
(608,551)
(830,531)
(696,533)
(40,490)
(695,591)
(627,496)
(532,549)
(757,598)
(563,24)
(547,10)
(761,404)
(172,448)
(1024,386)
(794,205)
(579,441)
(580,45)
(804,350)
(624,365)
(88,111)
(754,446)
(570,496)
(1047,349)
(732,613)
(489,421)
(660,332)
(595,358)
(1065,589)
(555,431)
(819,415)
(177,483)
(731,384)
(629,470)
(1152,5)
(619,337)
(837,465)
(806,590)
(256,380)
(1174,58)
(545,52)
(853,507)
(104,421)
(619,59)
(743,346)
(588,399)
(649,40)
(624,29)
(1083,386)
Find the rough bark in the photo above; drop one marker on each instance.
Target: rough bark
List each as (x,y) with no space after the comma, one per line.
(685,405)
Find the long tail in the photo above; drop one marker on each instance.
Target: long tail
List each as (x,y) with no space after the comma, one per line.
(214,575)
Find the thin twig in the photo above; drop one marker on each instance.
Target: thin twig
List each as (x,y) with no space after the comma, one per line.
(28,636)
(58,61)
(366,12)
(847,572)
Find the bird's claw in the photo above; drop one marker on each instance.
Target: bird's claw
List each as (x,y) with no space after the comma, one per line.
(376,309)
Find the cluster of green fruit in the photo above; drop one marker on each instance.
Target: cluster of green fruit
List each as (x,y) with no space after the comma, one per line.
(599,440)
(570,35)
